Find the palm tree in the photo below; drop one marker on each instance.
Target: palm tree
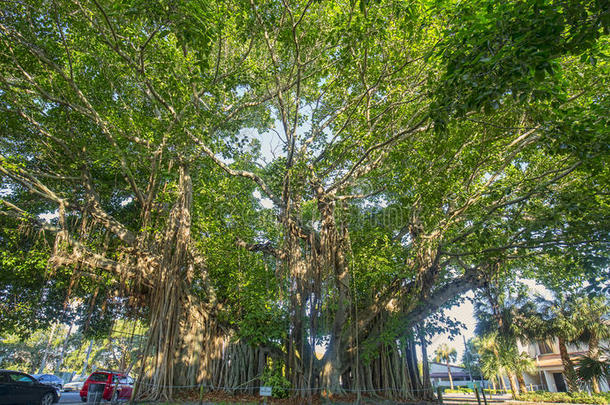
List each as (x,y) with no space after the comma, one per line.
(501,314)
(448,354)
(591,317)
(491,364)
(472,360)
(500,309)
(554,318)
(523,363)
(590,369)
(499,357)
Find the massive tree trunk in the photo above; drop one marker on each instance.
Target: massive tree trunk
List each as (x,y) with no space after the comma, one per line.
(186,345)
(298,350)
(333,247)
(427,386)
(168,298)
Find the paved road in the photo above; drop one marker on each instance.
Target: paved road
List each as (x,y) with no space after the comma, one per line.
(458,399)
(74,398)
(70,398)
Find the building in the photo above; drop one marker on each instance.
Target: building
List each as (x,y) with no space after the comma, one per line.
(440,378)
(549,373)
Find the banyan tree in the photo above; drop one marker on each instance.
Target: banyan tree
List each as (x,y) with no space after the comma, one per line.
(263,178)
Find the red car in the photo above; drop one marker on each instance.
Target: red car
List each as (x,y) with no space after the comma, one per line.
(116,385)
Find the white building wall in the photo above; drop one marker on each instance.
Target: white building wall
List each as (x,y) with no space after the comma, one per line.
(442,383)
(442,368)
(533,350)
(550,380)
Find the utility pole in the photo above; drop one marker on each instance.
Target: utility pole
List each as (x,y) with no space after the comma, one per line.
(467,353)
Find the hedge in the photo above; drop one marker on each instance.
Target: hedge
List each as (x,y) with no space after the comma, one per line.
(565,397)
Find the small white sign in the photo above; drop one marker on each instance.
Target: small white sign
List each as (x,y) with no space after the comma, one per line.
(265,391)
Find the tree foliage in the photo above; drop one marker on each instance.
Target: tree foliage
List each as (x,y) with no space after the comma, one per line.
(253,179)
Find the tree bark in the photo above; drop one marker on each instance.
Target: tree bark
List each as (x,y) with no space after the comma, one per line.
(427,385)
(522,386)
(502,382)
(297,270)
(594,354)
(568,367)
(169,300)
(333,245)
(412,373)
(513,385)
(449,374)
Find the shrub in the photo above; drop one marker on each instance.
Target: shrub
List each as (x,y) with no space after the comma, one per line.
(459,390)
(565,397)
(280,385)
(495,392)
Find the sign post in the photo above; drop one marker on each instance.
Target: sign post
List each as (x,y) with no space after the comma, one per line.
(265,392)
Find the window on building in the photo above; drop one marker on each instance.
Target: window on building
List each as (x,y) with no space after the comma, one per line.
(545,347)
(560,382)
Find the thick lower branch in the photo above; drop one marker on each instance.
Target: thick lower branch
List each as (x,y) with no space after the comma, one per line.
(267,248)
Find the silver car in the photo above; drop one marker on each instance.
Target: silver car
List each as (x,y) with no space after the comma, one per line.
(75,385)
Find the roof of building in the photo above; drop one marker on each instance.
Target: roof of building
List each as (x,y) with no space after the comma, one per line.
(554,359)
(445,364)
(445,375)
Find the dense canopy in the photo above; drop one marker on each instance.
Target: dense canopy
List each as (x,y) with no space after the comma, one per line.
(257,178)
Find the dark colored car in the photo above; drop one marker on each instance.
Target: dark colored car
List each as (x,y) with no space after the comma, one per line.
(52,380)
(22,389)
(116,385)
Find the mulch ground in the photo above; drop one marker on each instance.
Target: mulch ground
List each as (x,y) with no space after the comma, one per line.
(192,397)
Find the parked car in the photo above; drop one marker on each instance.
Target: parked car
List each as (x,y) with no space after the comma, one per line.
(116,385)
(75,385)
(20,388)
(52,380)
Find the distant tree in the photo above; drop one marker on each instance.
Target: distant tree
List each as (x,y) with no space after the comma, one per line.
(522,363)
(499,357)
(472,360)
(31,296)
(491,364)
(34,353)
(447,354)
